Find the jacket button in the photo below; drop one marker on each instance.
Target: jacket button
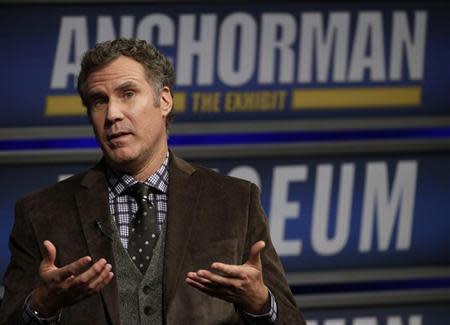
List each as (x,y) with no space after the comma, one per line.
(147,310)
(146,289)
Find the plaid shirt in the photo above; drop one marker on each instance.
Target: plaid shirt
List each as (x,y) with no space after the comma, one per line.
(123,208)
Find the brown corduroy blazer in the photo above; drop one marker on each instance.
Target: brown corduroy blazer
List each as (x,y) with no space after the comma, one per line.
(210,218)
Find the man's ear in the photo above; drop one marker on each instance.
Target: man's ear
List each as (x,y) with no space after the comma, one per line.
(166,101)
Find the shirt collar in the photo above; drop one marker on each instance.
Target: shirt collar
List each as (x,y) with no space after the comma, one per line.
(119,182)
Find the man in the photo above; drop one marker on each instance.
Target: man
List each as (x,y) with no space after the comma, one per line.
(144,237)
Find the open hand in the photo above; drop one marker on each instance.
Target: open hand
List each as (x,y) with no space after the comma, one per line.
(61,287)
(239,284)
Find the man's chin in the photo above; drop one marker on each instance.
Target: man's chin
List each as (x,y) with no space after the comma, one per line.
(119,157)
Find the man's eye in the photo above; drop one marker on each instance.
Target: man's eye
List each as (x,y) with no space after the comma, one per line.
(129,94)
(99,102)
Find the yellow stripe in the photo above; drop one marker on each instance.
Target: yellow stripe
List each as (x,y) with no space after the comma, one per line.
(64,106)
(356,97)
(70,105)
(179,102)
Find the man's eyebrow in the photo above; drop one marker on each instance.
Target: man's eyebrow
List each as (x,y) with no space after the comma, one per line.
(94,94)
(126,84)
(98,93)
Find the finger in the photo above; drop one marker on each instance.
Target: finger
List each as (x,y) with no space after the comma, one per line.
(216,279)
(73,268)
(195,284)
(202,287)
(67,283)
(49,253)
(102,277)
(255,254)
(194,276)
(102,280)
(228,270)
(93,272)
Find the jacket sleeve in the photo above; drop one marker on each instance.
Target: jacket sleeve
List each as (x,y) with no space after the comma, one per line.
(273,273)
(22,273)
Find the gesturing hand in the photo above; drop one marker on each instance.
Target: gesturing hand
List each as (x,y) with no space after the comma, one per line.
(61,287)
(239,284)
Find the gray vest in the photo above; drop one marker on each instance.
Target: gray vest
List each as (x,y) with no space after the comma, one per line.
(140,296)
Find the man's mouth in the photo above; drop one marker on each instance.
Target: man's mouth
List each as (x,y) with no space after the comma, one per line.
(116,137)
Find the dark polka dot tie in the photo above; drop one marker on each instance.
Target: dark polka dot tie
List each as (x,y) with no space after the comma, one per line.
(143,229)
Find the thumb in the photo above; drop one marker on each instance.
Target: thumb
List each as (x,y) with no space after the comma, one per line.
(255,254)
(49,254)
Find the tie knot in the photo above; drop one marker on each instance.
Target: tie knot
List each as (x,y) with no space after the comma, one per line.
(139,191)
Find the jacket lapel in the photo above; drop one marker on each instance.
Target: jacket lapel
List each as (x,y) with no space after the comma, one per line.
(184,188)
(92,203)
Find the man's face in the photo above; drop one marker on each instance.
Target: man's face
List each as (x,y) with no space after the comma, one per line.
(128,125)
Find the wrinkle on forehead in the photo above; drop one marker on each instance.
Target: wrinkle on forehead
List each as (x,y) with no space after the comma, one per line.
(116,73)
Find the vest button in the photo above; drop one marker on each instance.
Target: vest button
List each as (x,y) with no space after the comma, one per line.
(146,289)
(147,310)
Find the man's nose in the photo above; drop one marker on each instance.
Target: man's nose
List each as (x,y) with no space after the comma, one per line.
(115,111)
